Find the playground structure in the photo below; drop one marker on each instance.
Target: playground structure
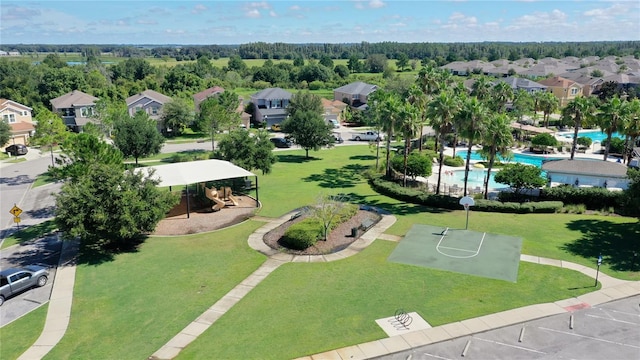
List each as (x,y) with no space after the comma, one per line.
(220,197)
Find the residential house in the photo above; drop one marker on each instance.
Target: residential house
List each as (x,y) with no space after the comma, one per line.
(270,106)
(624,81)
(149,101)
(205,94)
(355,94)
(527,85)
(76,109)
(19,118)
(564,89)
(589,83)
(333,109)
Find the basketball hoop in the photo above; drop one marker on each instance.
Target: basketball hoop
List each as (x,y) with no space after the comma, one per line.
(466,207)
(466,202)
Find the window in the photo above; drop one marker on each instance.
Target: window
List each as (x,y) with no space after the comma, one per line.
(86,112)
(10,118)
(574,91)
(356,97)
(154,110)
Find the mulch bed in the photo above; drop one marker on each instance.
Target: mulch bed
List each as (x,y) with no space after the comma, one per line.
(339,239)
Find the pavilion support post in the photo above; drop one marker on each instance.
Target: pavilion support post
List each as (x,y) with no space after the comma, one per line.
(257,198)
(188,205)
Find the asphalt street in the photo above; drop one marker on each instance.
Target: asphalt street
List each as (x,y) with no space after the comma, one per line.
(607,331)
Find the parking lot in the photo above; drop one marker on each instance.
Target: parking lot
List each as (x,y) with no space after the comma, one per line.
(607,331)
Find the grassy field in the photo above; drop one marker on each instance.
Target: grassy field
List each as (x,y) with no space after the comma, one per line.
(22,333)
(130,305)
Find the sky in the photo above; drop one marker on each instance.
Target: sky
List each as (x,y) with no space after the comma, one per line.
(345,21)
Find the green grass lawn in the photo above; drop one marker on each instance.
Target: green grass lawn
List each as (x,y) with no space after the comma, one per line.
(307,308)
(129,306)
(29,233)
(17,336)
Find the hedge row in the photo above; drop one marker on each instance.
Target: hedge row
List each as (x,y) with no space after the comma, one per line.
(410,195)
(592,198)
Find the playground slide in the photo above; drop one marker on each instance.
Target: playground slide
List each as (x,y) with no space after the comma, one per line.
(233,200)
(212,194)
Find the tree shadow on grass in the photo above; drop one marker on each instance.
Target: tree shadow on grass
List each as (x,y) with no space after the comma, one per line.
(344,177)
(96,253)
(393,208)
(619,244)
(296,159)
(362,157)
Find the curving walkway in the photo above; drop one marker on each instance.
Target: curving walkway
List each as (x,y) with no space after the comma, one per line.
(60,304)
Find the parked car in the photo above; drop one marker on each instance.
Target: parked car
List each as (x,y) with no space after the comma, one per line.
(281,142)
(334,123)
(276,127)
(338,138)
(17,280)
(16,149)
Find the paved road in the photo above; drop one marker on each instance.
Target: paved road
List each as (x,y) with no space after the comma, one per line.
(607,331)
(45,252)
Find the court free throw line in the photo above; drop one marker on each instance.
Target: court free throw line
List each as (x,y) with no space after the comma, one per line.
(475,253)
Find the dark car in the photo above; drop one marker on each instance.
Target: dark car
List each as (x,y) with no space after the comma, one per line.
(14,280)
(281,142)
(16,149)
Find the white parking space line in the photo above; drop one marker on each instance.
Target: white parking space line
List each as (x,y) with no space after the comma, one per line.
(612,319)
(438,357)
(511,346)
(590,337)
(620,312)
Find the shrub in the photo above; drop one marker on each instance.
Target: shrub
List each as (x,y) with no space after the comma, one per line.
(591,198)
(316,85)
(301,235)
(456,161)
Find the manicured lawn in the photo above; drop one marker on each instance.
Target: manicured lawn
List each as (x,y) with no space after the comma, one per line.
(128,307)
(307,308)
(22,333)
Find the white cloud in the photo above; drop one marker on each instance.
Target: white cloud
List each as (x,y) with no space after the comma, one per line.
(253,13)
(199,9)
(376,4)
(273,13)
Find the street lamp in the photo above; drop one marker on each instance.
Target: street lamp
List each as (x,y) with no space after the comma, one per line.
(598,269)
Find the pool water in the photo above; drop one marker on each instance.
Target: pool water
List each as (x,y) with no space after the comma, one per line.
(476,178)
(594,135)
(520,158)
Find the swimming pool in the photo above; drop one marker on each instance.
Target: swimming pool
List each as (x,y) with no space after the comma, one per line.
(476,178)
(594,135)
(520,158)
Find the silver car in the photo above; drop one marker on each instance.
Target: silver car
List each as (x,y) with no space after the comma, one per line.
(17,280)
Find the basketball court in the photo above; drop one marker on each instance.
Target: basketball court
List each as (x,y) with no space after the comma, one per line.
(462,251)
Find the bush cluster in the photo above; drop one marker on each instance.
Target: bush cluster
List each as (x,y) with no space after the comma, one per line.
(592,198)
(188,156)
(411,195)
(306,233)
(456,161)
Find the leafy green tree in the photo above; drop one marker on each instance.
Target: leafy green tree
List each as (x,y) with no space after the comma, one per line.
(80,152)
(176,116)
(308,129)
(497,140)
(50,130)
(577,112)
(236,64)
(327,210)
(109,209)
(138,136)
(377,63)
(354,64)
(522,104)
(544,140)
(520,177)
(402,61)
(341,70)
(585,141)
(500,95)
(631,127)
(248,152)
(5,132)
(218,113)
(632,193)
(417,164)
(548,104)
(326,61)
(611,115)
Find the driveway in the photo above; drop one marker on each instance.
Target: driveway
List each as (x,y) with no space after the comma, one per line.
(607,331)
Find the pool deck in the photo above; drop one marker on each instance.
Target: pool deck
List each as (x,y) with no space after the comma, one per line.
(452,187)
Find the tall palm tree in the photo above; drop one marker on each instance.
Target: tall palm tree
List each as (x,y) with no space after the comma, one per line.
(548,104)
(630,127)
(409,123)
(497,140)
(386,107)
(577,112)
(441,110)
(419,100)
(471,119)
(481,88)
(609,117)
(500,94)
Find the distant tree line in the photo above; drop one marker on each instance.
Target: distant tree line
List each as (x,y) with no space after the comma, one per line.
(441,53)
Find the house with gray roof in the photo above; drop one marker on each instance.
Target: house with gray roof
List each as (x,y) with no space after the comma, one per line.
(270,105)
(149,101)
(527,85)
(586,173)
(355,94)
(76,109)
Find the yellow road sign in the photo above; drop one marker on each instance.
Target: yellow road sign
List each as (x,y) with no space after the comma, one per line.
(16,219)
(15,211)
